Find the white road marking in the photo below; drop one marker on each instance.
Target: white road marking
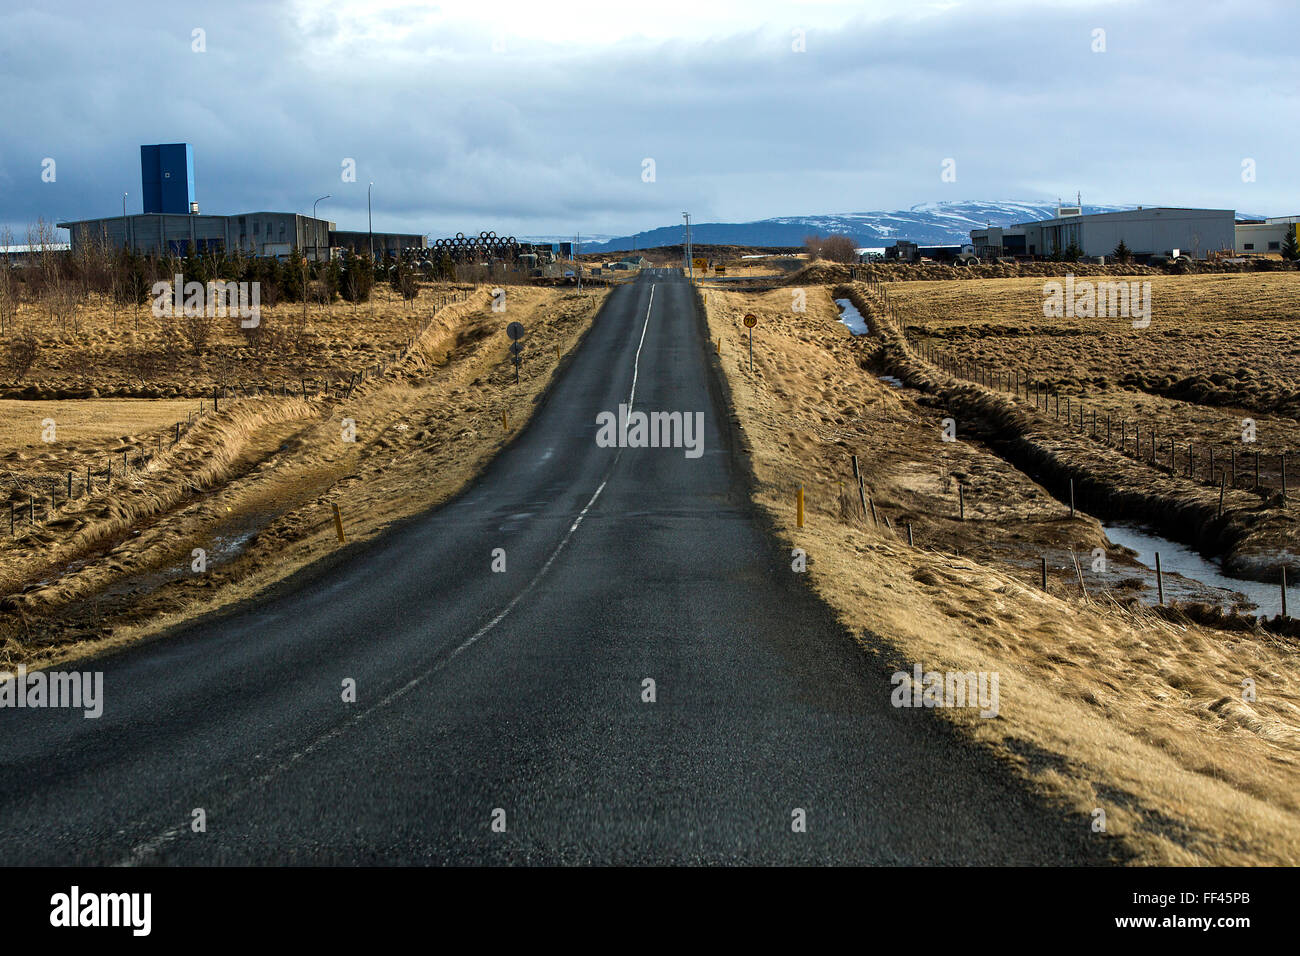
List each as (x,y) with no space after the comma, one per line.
(636,364)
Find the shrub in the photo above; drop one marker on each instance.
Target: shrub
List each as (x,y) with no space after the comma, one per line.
(21,349)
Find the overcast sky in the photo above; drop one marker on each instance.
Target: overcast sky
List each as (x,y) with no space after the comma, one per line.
(534,118)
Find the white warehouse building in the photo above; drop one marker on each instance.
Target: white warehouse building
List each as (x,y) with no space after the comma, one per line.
(1155,231)
(1262,238)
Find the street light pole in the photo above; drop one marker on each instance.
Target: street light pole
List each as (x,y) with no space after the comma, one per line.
(125,240)
(316,226)
(690,262)
(370,223)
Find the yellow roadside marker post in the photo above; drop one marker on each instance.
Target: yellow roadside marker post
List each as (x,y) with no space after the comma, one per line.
(338,525)
(799,508)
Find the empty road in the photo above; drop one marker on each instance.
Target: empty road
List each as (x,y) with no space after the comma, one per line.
(522,691)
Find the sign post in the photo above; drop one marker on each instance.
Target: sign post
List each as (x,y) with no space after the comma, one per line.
(751,320)
(516,332)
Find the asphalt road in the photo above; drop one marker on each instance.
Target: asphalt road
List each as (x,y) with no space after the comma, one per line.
(522,690)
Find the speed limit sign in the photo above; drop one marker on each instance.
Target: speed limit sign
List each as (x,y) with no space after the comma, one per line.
(751,320)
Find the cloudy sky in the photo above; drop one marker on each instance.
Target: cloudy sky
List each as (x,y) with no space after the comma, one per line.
(535,118)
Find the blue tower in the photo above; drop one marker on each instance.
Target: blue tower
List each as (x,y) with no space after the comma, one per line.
(167,178)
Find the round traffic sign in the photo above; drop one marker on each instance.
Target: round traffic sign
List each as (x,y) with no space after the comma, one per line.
(515,330)
(751,320)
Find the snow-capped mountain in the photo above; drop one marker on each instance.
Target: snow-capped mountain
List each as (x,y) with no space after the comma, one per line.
(929,223)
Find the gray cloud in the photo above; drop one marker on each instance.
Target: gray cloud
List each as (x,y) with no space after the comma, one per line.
(549,135)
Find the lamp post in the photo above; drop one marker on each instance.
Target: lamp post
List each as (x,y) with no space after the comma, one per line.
(690,262)
(370,223)
(125,240)
(316,225)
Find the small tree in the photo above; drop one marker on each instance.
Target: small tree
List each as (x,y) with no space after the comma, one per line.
(1072,252)
(1290,247)
(141,362)
(446,267)
(358,277)
(1122,253)
(332,283)
(831,248)
(196,328)
(21,349)
(8,284)
(839,249)
(404,281)
(293,278)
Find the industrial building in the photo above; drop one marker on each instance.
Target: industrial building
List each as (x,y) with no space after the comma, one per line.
(172,224)
(1261,237)
(254,233)
(1155,231)
(385,243)
(23,254)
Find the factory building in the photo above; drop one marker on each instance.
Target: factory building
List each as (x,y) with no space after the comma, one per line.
(385,243)
(171,223)
(254,233)
(1265,237)
(1156,231)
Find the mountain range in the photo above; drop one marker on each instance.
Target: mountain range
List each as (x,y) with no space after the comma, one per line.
(930,223)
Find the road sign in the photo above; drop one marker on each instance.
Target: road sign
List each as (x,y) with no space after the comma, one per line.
(719,270)
(515,330)
(516,347)
(701,264)
(751,320)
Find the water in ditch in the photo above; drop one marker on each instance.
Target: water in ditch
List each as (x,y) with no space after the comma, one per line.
(1179,559)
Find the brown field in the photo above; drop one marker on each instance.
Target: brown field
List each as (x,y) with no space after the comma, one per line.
(123,351)
(1220,340)
(253,484)
(1105,704)
(84,426)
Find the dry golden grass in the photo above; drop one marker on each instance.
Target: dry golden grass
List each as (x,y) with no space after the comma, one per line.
(1102,706)
(263,473)
(1227,340)
(100,350)
(81,426)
